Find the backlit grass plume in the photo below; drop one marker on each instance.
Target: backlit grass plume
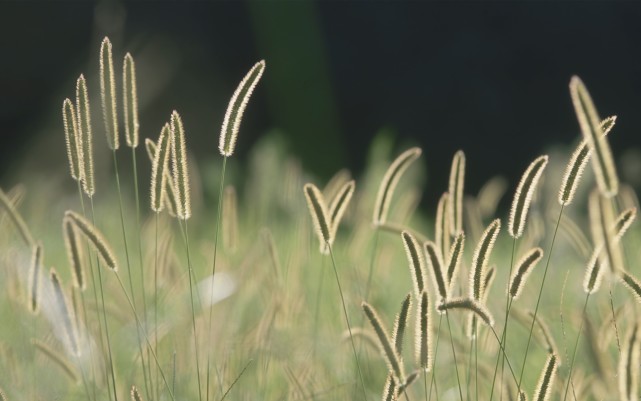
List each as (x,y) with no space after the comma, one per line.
(95,238)
(320,216)
(179,167)
(160,169)
(388,351)
(434,261)
(236,108)
(523,196)
(589,121)
(416,262)
(108,94)
(169,193)
(481,258)
(456,253)
(470,305)
(442,226)
(34,278)
(576,165)
(456,184)
(546,380)
(602,221)
(74,253)
(389,183)
(130,101)
(423,333)
(629,366)
(85,136)
(74,149)
(400,324)
(523,269)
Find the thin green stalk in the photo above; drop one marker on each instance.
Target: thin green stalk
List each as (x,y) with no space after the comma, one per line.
(317,312)
(547,264)
(142,271)
(469,369)
(438,336)
(614,320)
(82,371)
(370,274)
(104,313)
(213,268)
(236,379)
(508,306)
(349,327)
(460,390)
(131,284)
(156,302)
(133,309)
(476,364)
(576,345)
(193,309)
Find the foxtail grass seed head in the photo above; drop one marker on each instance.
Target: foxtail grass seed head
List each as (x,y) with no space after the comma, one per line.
(74,149)
(523,196)
(623,222)
(453,264)
(523,269)
(522,396)
(320,216)
(179,164)
(130,101)
(389,183)
(415,260)
(423,333)
(456,184)
(169,194)
(633,284)
(135,395)
(65,314)
(435,263)
(339,204)
(159,169)
(481,258)
(593,273)
(85,136)
(108,94)
(442,226)
(487,283)
(236,108)
(74,254)
(546,380)
(576,165)
(629,366)
(601,223)
(34,278)
(602,161)
(470,305)
(387,349)
(95,238)
(389,390)
(400,324)
(16,219)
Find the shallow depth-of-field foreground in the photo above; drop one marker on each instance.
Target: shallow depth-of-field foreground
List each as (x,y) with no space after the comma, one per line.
(280,287)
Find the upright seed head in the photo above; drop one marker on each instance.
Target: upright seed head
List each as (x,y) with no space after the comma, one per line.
(392,358)
(108,94)
(74,149)
(320,216)
(523,269)
(400,324)
(423,333)
(523,196)
(415,260)
(339,204)
(85,136)
(629,366)
(481,258)
(546,380)
(457,181)
(130,101)
(236,108)
(442,224)
(435,263)
(456,253)
(179,164)
(159,169)
(602,161)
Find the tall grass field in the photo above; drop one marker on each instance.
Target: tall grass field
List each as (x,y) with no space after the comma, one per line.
(140,286)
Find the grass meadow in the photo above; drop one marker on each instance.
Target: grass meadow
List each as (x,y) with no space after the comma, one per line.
(258,282)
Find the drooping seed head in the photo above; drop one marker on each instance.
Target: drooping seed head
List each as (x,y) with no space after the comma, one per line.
(16,219)
(456,185)
(339,204)
(179,167)
(546,380)
(389,183)
(320,216)
(481,258)
(629,365)
(523,269)
(85,136)
(34,278)
(65,314)
(593,273)
(108,94)
(602,161)
(236,108)
(633,284)
(623,222)
(576,165)
(470,305)
(416,262)
(130,101)
(74,254)
(435,263)
(95,238)
(523,196)
(387,349)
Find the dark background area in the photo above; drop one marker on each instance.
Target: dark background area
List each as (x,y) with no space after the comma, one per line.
(489,78)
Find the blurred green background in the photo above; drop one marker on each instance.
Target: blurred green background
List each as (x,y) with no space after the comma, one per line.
(490,78)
